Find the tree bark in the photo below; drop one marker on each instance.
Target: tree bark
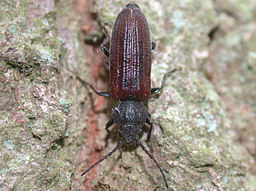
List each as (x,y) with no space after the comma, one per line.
(52,129)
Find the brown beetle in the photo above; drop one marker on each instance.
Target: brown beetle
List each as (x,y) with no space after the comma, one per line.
(130,67)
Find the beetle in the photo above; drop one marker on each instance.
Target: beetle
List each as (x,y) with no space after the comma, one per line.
(129,83)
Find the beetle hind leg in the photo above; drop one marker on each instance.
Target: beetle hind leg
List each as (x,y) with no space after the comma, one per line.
(86,84)
(157,90)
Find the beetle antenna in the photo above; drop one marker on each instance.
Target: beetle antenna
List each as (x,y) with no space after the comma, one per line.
(151,156)
(106,156)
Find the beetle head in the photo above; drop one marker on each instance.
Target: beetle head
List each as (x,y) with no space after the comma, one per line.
(129,133)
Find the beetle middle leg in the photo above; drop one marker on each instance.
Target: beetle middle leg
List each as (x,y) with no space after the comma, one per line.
(157,90)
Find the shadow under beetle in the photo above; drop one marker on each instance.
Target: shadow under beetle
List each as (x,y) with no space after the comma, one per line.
(130,67)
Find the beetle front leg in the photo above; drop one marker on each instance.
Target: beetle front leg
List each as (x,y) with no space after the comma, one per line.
(109,123)
(150,123)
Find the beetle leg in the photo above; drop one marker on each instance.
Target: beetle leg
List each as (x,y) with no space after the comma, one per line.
(153,46)
(86,84)
(156,90)
(107,66)
(109,123)
(104,50)
(150,123)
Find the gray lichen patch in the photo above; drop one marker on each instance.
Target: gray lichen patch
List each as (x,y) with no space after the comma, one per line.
(25,45)
(33,108)
(233,62)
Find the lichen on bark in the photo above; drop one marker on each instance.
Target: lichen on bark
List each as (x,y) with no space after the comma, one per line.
(34,109)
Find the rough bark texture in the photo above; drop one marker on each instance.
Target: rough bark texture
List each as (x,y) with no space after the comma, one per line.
(51,128)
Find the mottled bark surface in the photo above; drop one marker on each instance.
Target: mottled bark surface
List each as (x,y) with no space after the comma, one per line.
(51,128)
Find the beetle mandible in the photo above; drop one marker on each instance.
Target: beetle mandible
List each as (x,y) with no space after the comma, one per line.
(129,83)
